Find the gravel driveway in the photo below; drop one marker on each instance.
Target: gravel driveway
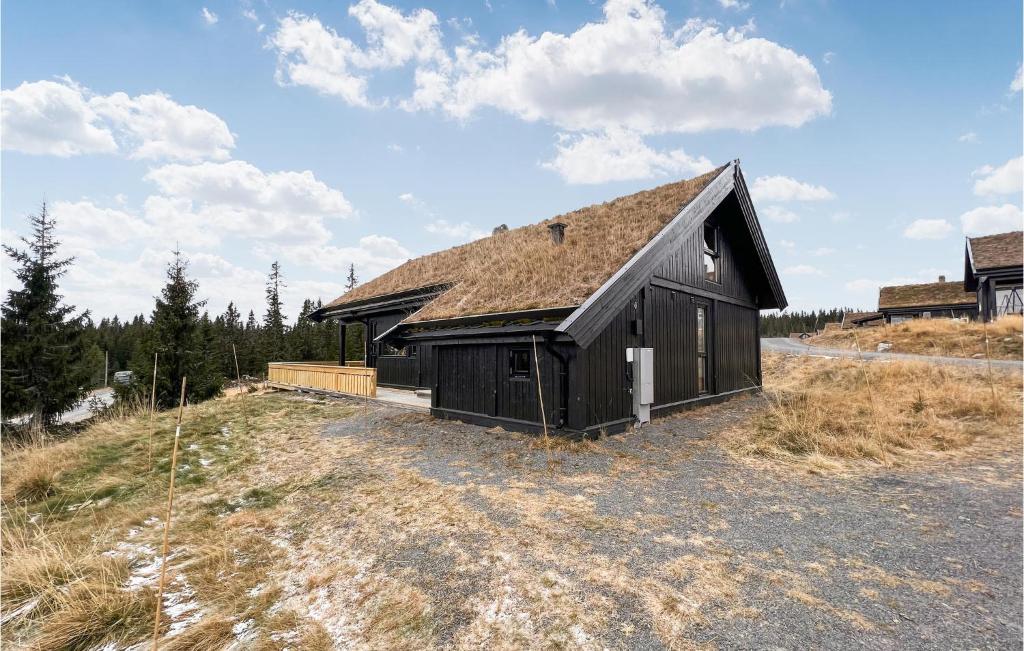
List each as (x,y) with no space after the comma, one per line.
(775,557)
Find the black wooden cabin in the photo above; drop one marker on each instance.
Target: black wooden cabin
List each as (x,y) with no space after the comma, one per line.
(692,292)
(994,272)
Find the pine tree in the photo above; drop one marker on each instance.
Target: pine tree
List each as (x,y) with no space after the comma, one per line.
(351,281)
(42,351)
(273,321)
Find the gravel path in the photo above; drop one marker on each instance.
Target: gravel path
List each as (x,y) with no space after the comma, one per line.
(927,557)
(797,347)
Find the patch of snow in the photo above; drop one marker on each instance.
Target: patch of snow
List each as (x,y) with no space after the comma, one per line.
(192,446)
(24,609)
(205,462)
(244,630)
(151,520)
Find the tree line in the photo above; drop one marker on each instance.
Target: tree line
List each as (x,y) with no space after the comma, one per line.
(52,355)
(783,323)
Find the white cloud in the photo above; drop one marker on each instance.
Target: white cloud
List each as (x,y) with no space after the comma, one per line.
(209,17)
(928,229)
(395,147)
(1008,178)
(66,119)
(802,270)
(238,198)
(310,54)
(240,184)
(784,188)
(822,251)
(828,57)
(988,220)
(970,137)
(46,117)
(374,255)
(1018,82)
(840,216)
(787,244)
(629,71)
(779,214)
(463,231)
(734,4)
(618,156)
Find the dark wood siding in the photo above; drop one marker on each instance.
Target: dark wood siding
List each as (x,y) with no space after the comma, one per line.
(604,392)
(476,378)
(397,371)
(673,336)
(735,347)
(685,263)
(465,378)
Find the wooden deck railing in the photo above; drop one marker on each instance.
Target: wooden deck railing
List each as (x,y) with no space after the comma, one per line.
(324,377)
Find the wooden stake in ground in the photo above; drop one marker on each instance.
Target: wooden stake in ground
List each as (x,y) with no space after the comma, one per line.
(245,415)
(988,361)
(167,519)
(540,397)
(871,397)
(152,412)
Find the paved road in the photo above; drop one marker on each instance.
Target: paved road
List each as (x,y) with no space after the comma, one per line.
(80,411)
(797,347)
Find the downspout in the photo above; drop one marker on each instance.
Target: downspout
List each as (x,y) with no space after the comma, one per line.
(563,378)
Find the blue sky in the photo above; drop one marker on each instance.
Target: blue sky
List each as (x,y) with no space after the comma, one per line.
(875,135)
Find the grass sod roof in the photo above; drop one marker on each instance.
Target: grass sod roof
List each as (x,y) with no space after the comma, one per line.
(522,269)
(995,251)
(925,295)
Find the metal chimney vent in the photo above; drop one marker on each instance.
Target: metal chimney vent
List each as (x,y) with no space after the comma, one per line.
(942,279)
(557,232)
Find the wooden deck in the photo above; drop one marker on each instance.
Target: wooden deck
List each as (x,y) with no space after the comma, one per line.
(329,378)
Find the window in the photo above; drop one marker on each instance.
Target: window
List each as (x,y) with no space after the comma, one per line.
(387,350)
(926,315)
(410,351)
(702,349)
(711,254)
(519,362)
(1008,301)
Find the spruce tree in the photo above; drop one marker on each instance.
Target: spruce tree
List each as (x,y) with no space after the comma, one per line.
(274,346)
(42,370)
(351,281)
(177,336)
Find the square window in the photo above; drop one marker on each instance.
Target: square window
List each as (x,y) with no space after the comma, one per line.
(519,362)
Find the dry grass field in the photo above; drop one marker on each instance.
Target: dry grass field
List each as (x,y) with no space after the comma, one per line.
(943,337)
(855,504)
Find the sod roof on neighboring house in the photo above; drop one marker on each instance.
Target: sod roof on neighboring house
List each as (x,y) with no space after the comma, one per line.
(925,295)
(523,269)
(851,319)
(997,251)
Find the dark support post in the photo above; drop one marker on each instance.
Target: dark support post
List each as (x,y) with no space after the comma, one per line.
(341,343)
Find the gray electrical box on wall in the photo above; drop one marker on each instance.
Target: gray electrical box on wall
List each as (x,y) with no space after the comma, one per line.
(641,365)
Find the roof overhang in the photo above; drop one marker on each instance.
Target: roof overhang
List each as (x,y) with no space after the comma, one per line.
(358,310)
(543,318)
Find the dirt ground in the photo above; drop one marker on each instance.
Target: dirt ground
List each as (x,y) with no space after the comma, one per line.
(435,533)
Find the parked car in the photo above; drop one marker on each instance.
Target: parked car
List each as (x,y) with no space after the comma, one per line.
(123,377)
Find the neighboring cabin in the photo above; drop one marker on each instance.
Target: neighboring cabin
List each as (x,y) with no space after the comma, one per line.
(993,286)
(682,269)
(861,320)
(994,271)
(926,301)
